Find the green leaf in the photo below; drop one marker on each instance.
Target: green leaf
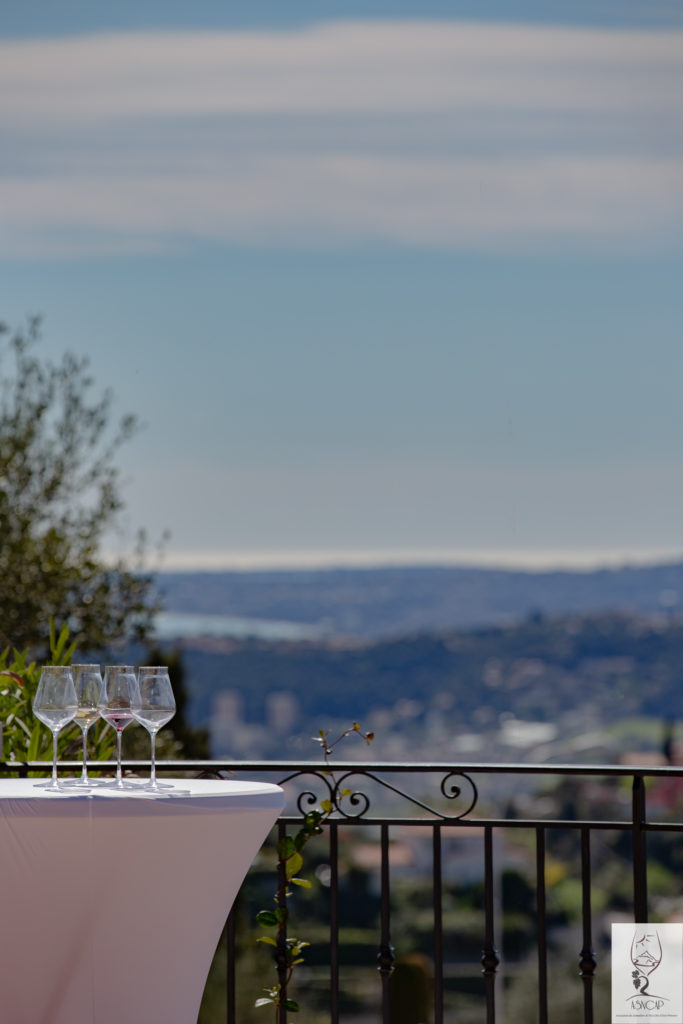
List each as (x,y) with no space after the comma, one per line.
(302,882)
(266,918)
(34,743)
(268,939)
(294,864)
(285,847)
(291,1005)
(22,725)
(58,649)
(312,818)
(301,838)
(326,806)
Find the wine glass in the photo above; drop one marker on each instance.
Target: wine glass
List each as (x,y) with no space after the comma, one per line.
(88,685)
(157,707)
(55,705)
(120,699)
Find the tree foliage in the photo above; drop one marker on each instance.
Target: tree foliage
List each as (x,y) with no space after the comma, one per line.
(59,497)
(24,737)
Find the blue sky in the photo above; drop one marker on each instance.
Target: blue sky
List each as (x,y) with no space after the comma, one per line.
(383,282)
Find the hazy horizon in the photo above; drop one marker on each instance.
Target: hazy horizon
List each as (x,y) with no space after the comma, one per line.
(528,561)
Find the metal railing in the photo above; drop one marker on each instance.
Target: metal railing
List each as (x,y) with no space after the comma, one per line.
(587,825)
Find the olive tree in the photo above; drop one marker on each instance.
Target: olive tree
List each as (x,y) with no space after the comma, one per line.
(59,497)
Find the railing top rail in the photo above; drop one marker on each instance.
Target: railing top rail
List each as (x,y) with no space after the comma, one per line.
(478,768)
(342,785)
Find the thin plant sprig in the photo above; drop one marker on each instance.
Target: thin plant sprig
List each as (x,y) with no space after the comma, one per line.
(289,863)
(323,738)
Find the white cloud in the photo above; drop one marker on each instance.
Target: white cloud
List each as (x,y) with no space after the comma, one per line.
(446,203)
(354,66)
(419,133)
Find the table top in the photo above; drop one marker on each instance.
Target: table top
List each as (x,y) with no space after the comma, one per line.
(180,791)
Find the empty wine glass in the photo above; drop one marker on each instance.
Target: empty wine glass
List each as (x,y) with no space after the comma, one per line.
(55,705)
(157,707)
(88,685)
(120,699)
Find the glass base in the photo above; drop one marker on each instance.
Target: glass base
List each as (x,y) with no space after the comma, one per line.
(164,788)
(81,783)
(54,784)
(157,786)
(129,785)
(59,788)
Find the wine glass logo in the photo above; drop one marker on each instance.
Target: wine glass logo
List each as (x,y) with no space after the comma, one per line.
(646,956)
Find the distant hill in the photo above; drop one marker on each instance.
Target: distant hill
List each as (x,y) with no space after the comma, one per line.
(390,602)
(582,674)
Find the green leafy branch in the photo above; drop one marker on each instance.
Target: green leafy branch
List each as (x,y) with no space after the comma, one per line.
(24,738)
(289,863)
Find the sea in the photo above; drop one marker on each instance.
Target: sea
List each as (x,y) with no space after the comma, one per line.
(185,624)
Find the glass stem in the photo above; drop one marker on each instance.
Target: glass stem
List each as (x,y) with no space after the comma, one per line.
(84,773)
(54,756)
(119,775)
(153,766)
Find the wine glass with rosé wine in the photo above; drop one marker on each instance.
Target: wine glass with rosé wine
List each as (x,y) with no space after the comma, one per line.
(120,701)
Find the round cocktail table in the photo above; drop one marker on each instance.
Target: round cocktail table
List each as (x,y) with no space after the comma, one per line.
(112,903)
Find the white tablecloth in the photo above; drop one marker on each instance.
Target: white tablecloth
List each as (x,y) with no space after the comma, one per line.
(111,905)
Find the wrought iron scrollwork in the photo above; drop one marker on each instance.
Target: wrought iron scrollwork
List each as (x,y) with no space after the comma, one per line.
(308,800)
(351,802)
(452,790)
(357,800)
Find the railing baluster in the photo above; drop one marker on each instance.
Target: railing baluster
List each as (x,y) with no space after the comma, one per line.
(639,851)
(541,928)
(334,923)
(281,954)
(489,960)
(438,926)
(385,957)
(231,1015)
(587,963)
